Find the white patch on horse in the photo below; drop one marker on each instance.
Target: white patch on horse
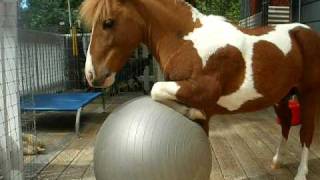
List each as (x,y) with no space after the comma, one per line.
(216,33)
(89,65)
(164,91)
(195,13)
(277,158)
(303,167)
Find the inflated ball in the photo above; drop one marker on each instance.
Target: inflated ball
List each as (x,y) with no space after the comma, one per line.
(145,140)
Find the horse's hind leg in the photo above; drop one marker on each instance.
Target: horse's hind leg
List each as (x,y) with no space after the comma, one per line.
(283,112)
(308,101)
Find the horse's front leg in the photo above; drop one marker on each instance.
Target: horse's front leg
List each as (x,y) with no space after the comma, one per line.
(166,93)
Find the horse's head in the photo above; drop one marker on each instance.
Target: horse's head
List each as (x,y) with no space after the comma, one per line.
(117,29)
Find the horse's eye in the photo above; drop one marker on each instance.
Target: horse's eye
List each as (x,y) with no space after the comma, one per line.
(107,24)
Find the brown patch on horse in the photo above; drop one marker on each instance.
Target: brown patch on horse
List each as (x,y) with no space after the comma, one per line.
(231,65)
(257,31)
(185,57)
(224,69)
(270,64)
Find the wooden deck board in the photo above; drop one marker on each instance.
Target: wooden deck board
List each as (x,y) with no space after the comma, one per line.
(230,167)
(244,153)
(66,157)
(78,167)
(216,173)
(242,147)
(261,151)
(81,163)
(39,162)
(294,146)
(89,174)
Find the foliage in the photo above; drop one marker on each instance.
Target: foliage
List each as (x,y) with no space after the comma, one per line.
(47,14)
(228,8)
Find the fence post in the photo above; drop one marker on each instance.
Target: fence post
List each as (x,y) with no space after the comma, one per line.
(264,10)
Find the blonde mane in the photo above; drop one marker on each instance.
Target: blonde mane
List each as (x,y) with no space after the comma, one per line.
(92,11)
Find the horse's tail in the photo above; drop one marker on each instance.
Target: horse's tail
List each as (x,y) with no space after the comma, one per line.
(309,43)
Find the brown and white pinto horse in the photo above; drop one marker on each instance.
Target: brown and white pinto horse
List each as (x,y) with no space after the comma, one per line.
(211,66)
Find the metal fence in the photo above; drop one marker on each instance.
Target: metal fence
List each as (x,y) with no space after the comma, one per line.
(42,66)
(254,14)
(31,62)
(252,21)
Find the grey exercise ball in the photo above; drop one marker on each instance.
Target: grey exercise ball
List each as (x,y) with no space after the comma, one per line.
(145,140)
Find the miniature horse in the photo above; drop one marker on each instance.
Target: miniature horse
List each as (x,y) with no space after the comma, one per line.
(211,66)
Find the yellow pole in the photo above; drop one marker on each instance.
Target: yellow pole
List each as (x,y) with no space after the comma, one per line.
(75,50)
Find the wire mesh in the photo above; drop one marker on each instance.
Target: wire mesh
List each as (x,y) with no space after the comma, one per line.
(41,69)
(42,62)
(10,130)
(31,62)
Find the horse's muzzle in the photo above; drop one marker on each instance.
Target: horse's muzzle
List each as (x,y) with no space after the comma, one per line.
(104,80)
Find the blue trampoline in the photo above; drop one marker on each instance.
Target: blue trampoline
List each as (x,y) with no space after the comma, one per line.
(61,102)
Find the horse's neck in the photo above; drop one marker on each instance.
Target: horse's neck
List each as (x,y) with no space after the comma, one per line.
(167,22)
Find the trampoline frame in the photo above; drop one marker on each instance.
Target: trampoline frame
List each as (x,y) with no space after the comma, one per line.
(34,107)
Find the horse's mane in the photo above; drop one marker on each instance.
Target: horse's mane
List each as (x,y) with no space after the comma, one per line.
(93,10)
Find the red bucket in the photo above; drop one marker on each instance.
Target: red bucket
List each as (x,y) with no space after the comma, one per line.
(294,106)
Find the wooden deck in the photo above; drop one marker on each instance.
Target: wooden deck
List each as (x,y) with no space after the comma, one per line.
(243,146)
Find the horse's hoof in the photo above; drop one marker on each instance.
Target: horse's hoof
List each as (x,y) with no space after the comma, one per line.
(300,177)
(275,165)
(196,114)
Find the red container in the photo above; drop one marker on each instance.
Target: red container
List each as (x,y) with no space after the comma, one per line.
(295,112)
(294,106)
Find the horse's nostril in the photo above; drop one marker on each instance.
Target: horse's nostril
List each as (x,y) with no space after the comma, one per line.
(108,74)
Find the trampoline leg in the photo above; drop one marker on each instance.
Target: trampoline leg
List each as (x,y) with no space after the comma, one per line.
(78,121)
(103,102)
